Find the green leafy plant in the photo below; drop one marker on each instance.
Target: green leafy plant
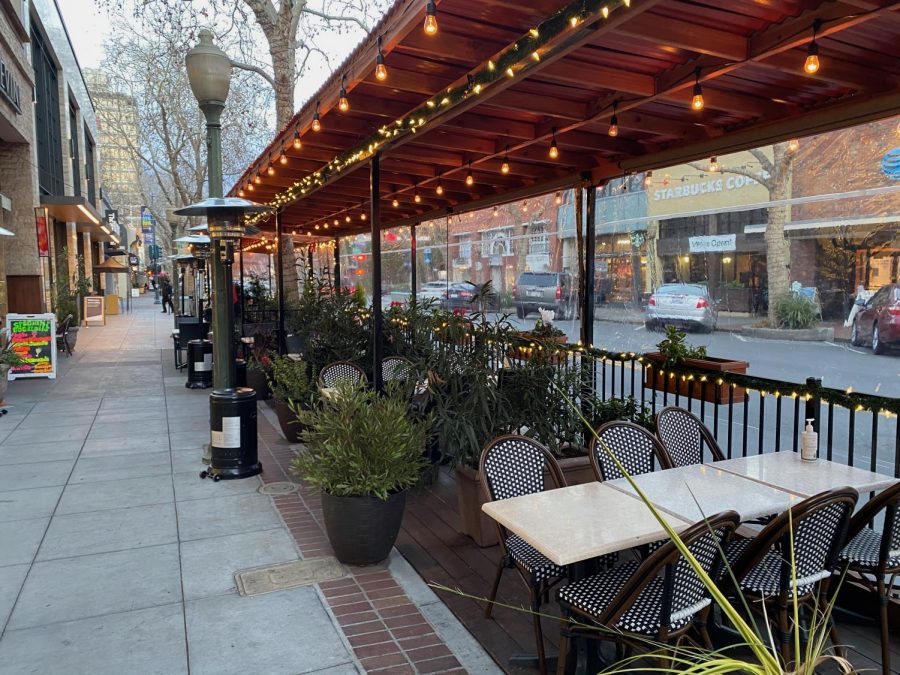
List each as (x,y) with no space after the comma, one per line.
(599,412)
(359,443)
(69,289)
(257,295)
(290,382)
(795,312)
(675,349)
(8,356)
(262,351)
(545,330)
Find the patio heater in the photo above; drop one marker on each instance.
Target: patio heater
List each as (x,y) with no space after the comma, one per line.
(232,410)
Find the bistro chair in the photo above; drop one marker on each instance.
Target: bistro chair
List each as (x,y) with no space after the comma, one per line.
(659,599)
(512,466)
(340,371)
(875,556)
(62,335)
(396,369)
(761,566)
(635,447)
(683,437)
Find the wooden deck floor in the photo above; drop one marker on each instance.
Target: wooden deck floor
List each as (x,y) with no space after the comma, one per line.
(431,542)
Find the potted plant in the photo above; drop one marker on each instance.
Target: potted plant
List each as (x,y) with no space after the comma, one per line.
(259,364)
(8,359)
(363,451)
(292,392)
(675,353)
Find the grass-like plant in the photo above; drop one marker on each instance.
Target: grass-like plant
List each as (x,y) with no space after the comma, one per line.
(794,311)
(359,443)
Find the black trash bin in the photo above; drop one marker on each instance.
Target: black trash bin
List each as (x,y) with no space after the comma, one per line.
(200,364)
(232,423)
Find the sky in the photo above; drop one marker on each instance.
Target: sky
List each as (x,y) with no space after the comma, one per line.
(89,28)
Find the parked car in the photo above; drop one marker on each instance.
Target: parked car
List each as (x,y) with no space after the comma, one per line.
(877,323)
(459,295)
(547,290)
(683,305)
(431,290)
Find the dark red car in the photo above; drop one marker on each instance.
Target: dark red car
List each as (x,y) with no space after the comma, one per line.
(878,321)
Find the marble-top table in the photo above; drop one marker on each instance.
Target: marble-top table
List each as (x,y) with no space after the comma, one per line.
(703,490)
(786,471)
(572,524)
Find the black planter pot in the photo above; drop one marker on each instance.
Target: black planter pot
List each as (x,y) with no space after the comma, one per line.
(290,425)
(362,530)
(256,380)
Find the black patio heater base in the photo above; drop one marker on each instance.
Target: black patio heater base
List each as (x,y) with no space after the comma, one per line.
(200,364)
(233,442)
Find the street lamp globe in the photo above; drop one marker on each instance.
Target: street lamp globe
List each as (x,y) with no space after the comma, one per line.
(208,70)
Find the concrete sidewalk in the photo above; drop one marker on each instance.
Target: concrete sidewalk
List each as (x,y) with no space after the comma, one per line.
(116,558)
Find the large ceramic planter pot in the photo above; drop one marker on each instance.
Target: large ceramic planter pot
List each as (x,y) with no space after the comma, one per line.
(290,425)
(708,391)
(362,530)
(575,470)
(256,380)
(470,497)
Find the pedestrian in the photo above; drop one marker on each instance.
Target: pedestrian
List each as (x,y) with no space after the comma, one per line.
(166,290)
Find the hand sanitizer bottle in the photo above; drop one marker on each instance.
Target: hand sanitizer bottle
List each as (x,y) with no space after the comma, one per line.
(809,443)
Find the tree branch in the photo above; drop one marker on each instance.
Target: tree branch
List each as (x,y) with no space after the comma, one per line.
(762,159)
(254,69)
(737,170)
(332,17)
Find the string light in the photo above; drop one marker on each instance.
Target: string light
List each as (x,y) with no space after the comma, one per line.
(439,190)
(283,159)
(811,66)
(614,121)
(380,68)
(431,24)
(648,179)
(558,199)
(257,179)
(417,198)
(250,187)
(470,179)
(605,11)
(496,212)
(504,167)
(363,216)
(697,100)
(793,145)
(316,122)
(241,193)
(271,169)
(554,148)
(347,218)
(343,101)
(395,203)
(713,164)
(297,142)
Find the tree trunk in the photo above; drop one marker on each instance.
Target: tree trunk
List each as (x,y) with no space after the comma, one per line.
(778,250)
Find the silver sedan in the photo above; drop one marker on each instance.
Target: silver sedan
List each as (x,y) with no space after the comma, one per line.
(682,305)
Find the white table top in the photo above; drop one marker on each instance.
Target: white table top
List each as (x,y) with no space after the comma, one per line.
(580,522)
(786,471)
(702,490)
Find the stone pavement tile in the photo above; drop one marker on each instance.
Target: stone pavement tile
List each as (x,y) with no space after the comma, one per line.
(80,406)
(127,444)
(39,434)
(184,461)
(115,467)
(59,421)
(40,452)
(139,428)
(133,404)
(143,641)
(202,518)
(190,486)
(21,539)
(28,504)
(187,440)
(208,565)
(126,416)
(94,585)
(11,579)
(115,494)
(36,474)
(231,634)
(103,531)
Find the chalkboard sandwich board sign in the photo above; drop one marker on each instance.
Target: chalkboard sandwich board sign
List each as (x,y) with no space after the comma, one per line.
(33,337)
(94,310)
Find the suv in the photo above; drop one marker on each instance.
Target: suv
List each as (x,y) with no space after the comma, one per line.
(547,290)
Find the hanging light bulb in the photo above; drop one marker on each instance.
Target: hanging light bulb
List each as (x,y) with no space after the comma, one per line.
(697,100)
(439,190)
(496,212)
(257,179)
(271,169)
(793,145)
(343,101)
(316,122)
(363,216)
(431,25)
(504,167)
(297,142)
(241,192)
(811,66)
(648,179)
(713,164)
(250,187)
(554,148)
(283,159)
(380,68)
(558,199)
(665,180)
(614,121)
(395,203)
(347,218)
(417,198)
(470,179)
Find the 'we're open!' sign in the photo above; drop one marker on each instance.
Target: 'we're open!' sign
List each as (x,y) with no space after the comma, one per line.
(33,337)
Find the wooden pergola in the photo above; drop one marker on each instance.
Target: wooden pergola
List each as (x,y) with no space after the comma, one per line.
(508,100)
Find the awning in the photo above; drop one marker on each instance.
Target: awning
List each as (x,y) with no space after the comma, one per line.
(501,84)
(78,210)
(110,265)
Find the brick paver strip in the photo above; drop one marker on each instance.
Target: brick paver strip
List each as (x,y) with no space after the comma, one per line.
(385,629)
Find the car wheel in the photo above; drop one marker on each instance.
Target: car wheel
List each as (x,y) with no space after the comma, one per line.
(650,326)
(854,335)
(520,311)
(877,345)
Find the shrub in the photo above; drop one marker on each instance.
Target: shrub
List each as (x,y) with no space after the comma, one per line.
(290,382)
(795,312)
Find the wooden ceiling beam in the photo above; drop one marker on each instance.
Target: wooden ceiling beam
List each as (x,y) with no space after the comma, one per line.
(581,73)
(688,36)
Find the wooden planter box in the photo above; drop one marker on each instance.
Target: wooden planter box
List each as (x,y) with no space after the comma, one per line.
(710,366)
(734,299)
(524,352)
(470,496)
